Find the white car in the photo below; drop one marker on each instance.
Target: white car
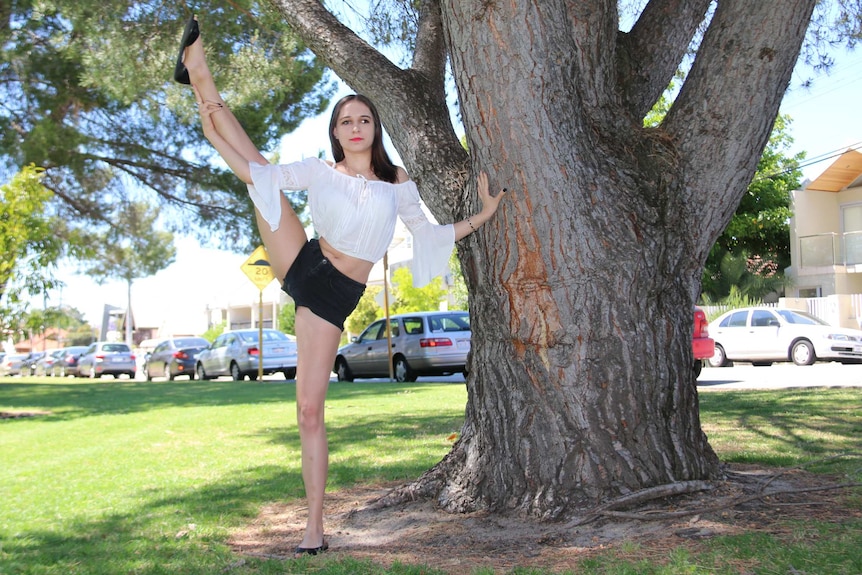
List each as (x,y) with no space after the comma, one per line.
(763,335)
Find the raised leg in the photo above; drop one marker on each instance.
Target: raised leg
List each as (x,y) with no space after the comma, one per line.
(230,139)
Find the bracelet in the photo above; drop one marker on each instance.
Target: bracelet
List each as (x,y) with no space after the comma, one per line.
(469,223)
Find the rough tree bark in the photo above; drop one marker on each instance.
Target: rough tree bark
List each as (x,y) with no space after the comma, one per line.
(581,386)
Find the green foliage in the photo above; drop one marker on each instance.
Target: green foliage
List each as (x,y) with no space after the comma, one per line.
(133,247)
(287,318)
(458,290)
(88,95)
(214,331)
(754,249)
(30,241)
(25,231)
(66,319)
(742,276)
(366,311)
(408,298)
(405,297)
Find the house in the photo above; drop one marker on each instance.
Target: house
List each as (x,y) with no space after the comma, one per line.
(826,240)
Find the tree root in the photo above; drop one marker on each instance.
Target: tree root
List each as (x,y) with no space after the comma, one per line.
(609,509)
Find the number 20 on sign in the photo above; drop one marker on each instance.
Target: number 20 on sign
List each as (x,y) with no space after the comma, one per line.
(257,268)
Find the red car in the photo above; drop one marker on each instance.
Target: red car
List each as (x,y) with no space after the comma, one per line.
(702,346)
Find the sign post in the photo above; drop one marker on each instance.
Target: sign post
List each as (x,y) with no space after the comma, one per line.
(258,270)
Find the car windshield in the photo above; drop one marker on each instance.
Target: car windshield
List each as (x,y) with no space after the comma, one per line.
(799,317)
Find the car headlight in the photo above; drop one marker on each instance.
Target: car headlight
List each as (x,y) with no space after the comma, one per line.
(842,337)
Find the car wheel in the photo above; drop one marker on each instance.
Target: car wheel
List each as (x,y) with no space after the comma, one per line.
(147,374)
(802,353)
(199,370)
(342,371)
(171,375)
(719,359)
(403,372)
(235,373)
(698,367)
(289,374)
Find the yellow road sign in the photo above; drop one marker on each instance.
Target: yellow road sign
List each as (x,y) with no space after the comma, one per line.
(257,268)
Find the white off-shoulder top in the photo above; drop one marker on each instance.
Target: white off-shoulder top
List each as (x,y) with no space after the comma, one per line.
(356,216)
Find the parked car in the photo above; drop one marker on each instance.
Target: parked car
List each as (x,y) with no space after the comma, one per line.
(67,364)
(174,356)
(702,346)
(763,335)
(107,357)
(44,364)
(423,343)
(28,366)
(236,353)
(11,364)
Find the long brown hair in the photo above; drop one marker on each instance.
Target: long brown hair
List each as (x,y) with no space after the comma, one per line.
(380,162)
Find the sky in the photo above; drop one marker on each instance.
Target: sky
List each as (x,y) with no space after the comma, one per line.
(826,121)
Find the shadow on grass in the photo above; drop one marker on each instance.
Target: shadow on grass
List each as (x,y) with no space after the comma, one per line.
(67,401)
(796,424)
(175,532)
(184,529)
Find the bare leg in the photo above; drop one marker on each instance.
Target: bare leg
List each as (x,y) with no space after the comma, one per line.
(205,89)
(284,244)
(317,342)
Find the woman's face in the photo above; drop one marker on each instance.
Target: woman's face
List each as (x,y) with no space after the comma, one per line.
(354,127)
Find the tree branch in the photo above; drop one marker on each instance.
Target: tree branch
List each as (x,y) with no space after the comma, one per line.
(411,102)
(348,55)
(429,58)
(649,55)
(724,113)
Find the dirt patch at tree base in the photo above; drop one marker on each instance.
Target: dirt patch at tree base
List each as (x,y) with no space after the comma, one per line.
(21,414)
(418,533)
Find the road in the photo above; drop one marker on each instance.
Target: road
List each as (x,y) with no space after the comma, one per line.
(778,375)
(740,376)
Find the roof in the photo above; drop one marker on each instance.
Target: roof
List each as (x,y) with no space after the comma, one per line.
(843,173)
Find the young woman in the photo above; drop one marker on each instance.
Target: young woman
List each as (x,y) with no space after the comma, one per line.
(354,203)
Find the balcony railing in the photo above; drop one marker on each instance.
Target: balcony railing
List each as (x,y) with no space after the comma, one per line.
(830,249)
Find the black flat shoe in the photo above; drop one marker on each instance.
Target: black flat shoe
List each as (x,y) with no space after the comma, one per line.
(190,34)
(300,551)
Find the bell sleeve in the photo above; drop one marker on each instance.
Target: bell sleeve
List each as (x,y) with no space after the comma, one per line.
(432,243)
(269,179)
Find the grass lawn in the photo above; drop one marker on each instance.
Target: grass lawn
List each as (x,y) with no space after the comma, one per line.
(149,478)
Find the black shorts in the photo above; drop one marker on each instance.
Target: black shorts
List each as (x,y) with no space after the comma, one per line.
(313,282)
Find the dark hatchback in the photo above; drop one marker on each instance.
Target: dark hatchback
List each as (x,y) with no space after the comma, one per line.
(173,357)
(67,363)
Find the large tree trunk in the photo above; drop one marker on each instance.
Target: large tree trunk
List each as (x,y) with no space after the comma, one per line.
(582,286)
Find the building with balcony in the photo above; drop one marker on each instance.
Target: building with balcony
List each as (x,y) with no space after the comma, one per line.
(826,239)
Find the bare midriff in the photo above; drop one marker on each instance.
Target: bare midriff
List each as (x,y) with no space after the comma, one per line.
(354,268)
